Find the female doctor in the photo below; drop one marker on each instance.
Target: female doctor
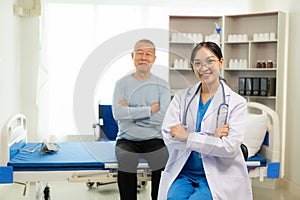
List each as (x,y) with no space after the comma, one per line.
(204,128)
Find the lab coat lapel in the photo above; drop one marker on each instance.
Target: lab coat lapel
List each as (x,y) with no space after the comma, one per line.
(193,108)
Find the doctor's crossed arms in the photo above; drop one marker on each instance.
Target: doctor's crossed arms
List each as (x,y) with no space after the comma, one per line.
(180,133)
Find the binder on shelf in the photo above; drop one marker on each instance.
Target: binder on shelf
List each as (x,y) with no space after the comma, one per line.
(248,86)
(255,86)
(271,87)
(263,87)
(268,86)
(241,86)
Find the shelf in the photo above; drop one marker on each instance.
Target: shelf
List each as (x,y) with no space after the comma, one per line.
(260,97)
(252,69)
(255,36)
(254,49)
(244,42)
(187,43)
(180,48)
(251,42)
(265,41)
(180,69)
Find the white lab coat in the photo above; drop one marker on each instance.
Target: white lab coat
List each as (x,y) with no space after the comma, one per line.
(223,161)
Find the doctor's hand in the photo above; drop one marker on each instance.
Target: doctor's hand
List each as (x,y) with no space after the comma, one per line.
(179,132)
(221,131)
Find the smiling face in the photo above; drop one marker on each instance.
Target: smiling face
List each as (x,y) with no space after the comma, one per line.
(207,66)
(143,56)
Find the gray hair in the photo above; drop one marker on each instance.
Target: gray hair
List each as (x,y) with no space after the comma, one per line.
(144,41)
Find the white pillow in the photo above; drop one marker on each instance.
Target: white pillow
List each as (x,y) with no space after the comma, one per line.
(256,127)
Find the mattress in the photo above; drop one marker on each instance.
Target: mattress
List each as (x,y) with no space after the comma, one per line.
(70,156)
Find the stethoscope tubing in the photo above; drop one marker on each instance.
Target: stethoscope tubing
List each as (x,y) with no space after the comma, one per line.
(218,112)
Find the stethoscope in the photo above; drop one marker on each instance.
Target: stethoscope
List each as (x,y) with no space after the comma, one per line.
(222,109)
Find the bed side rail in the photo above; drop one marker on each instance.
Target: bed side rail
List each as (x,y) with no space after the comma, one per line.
(14,132)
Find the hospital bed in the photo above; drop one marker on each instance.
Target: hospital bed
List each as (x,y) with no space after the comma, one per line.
(95,162)
(266,162)
(87,162)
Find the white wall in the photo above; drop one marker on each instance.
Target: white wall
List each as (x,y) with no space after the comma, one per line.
(290,141)
(292,165)
(9,63)
(292,161)
(29,36)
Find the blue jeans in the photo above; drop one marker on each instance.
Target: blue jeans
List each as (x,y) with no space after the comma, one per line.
(184,188)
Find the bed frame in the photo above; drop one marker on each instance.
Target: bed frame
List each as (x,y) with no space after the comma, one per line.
(13,139)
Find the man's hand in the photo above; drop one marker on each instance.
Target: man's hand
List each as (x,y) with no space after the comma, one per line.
(155,107)
(123,102)
(221,131)
(179,132)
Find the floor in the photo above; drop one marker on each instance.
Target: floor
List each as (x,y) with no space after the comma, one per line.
(80,191)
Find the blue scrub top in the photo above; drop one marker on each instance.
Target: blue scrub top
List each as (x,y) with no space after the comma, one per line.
(193,168)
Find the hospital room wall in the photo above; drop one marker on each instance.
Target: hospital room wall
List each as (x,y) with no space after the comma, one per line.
(292,136)
(10,89)
(19,65)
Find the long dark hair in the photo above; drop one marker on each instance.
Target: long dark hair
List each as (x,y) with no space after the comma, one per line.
(213,47)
